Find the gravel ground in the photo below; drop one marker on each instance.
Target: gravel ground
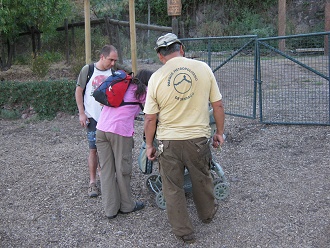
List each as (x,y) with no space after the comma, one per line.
(278,175)
(279,190)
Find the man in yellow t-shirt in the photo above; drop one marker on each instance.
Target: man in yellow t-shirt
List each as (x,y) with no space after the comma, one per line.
(178,96)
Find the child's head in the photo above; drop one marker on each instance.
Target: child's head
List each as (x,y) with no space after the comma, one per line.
(143,76)
(141,80)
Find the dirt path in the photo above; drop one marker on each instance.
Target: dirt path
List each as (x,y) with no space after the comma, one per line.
(279,181)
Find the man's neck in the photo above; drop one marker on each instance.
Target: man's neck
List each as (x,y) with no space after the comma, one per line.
(171,56)
(99,66)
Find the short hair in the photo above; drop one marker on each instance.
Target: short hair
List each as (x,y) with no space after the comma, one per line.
(107,49)
(169,49)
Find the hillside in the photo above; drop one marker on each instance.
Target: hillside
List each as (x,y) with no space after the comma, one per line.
(302,17)
(215,16)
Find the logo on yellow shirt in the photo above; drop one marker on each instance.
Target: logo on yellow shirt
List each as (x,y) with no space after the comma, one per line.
(182,83)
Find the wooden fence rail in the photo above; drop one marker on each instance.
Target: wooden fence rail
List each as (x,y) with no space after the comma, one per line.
(113,33)
(117,22)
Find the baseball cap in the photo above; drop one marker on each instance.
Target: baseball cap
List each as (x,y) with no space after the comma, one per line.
(166,40)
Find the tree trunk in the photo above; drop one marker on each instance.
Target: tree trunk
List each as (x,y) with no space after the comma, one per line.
(33,39)
(38,41)
(10,47)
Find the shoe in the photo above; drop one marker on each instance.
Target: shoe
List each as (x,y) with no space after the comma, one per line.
(189,239)
(93,190)
(112,217)
(208,220)
(138,206)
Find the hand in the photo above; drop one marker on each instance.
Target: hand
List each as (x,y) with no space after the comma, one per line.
(151,153)
(218,140)
(83,120)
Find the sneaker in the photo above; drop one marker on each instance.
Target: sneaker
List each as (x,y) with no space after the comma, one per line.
(93,190)
(208,220)
(138,206)
(189,239)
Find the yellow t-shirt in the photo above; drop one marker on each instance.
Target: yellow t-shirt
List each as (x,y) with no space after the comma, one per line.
(180,92)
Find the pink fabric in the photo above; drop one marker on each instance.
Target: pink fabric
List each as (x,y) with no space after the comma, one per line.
(121,120)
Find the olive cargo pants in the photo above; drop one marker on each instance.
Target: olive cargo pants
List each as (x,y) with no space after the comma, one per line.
(195,155)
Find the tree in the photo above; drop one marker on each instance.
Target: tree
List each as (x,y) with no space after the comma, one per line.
(28,17)
(114,8)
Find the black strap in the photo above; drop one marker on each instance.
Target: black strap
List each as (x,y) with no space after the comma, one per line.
(89,75)
(132,103)
(90,72)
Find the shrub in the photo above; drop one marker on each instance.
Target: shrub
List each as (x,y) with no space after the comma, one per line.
(46,98)
(22,59)
(40,66)
(248,23)
(211,28)
(9,114)
(53,56)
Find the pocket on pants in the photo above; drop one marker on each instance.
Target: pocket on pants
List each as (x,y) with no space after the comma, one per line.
(203,144)
(126,168)
(200,145)
(200,152)
(162,145)
(127,160)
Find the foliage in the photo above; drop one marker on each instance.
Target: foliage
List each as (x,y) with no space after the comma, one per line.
(78,60)
(115,9)
(52,56)
(211,28)
(158,12)
(22,59)
(9,114)
(118,9)
(250,4)
(249,22)
(77,56)
(17,16)
(199,18)
(46,98)
(40,66)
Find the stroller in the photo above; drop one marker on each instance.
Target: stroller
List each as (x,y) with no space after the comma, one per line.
(220,190)
(221,186)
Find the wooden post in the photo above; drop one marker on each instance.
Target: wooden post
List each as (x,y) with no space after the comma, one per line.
(182,33)
(148,18)
(175,26)
(118,44)
(327,26)
(114,39)
(108,28)
(174,8)
(281,23)
(133,35)
(88,47)
(67,52)
(33,37)
(73,42)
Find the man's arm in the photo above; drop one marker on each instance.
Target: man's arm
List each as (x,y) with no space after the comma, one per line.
(149,131)
(80,104)
(219,117)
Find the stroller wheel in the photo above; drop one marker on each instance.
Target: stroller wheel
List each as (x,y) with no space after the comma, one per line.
(221,190)
(160,200)
(153,183)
